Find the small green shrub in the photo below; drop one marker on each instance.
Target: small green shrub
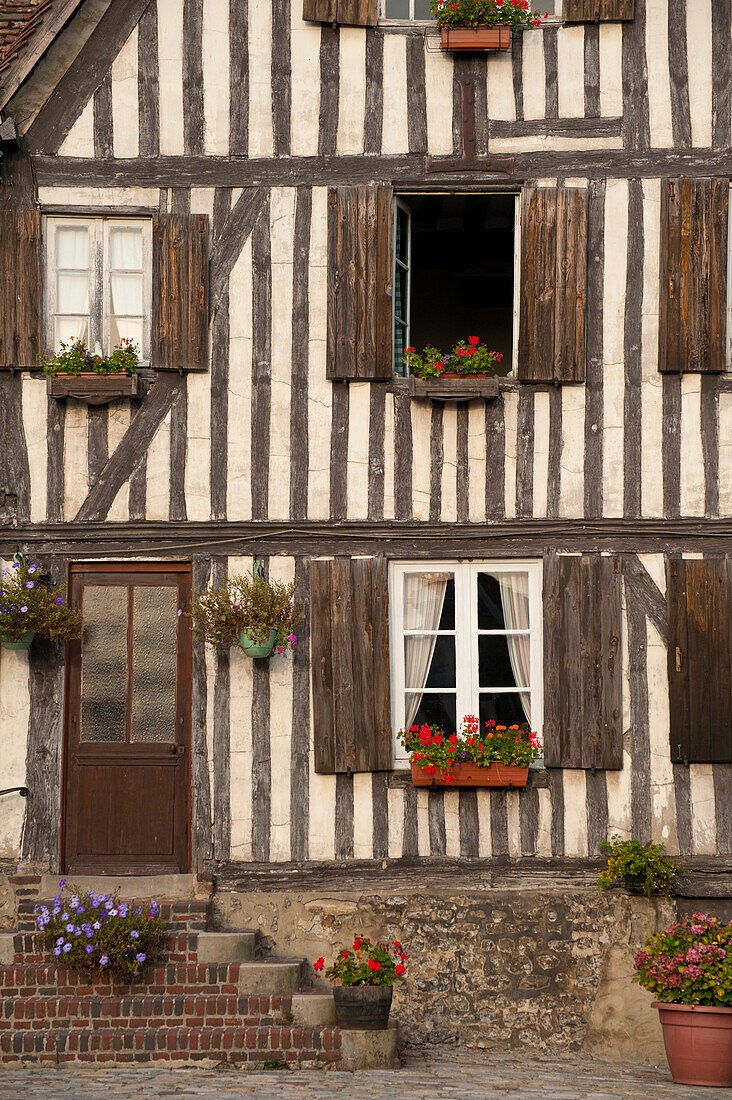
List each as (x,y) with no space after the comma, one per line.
(26,603)
(644,863)
(250,604)
(75,358)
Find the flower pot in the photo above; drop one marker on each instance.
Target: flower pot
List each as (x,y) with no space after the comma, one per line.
(23,642)
(257,649)
(92,388)
(451,386)
(698,1041)
(363,1007)
(475,39)
(473,775)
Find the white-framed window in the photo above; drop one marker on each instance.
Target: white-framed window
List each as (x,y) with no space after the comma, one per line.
(403,11)
(465,638)
(456,263)
(98,282)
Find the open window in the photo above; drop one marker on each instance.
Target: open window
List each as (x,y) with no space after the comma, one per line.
(455,268)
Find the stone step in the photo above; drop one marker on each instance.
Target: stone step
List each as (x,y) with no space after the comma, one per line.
(271,976)
(283,1045)
(201,947)
(183,916)
(313,1009)
(144,1011)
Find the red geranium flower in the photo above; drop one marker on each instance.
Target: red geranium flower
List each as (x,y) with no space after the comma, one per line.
(373,965)
(319,964)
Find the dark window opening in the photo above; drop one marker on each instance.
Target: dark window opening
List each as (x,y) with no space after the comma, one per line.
(457,255)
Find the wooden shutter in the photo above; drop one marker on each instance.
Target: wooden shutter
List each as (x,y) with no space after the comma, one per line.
(350,663)
(359,283)
(21,308)
(583,703)
(596,11)
(553,281)
(693,308)
(354,13)
(180,292)
(699,595)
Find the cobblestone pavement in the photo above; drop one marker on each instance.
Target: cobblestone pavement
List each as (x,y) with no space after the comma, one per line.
(436,1074)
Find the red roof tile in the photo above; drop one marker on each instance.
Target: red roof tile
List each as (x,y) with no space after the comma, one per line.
(19,19)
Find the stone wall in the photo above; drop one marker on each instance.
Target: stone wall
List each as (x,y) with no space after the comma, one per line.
(548,970)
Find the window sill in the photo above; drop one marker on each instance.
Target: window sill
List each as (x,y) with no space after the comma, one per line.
(401,776)
(93,389)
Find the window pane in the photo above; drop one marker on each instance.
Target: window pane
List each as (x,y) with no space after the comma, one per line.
(429,660)
(503,708)
(490,607)
(72,246)
(72,293)
(503,601)
(125,246)
(69,329)
(104,663)
(434,710)
(429,601)
(126,294)
(154,631)
(422,9)
(503,660)
(396,9)
(125,328)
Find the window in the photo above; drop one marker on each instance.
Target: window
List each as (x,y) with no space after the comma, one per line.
(98,282)
(406,9)
(465,639)
(455,268)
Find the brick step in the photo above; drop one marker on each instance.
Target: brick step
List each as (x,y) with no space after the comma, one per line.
(183,916)
(203,947)
(173,1044)
(144,1011)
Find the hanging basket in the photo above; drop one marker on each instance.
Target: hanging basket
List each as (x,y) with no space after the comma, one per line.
(258,649)
(475,39)
(23,642)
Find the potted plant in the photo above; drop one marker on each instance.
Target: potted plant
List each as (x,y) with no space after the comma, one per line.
(688,968)
(644,867)
(500,758)
(92,932)
(97,379)
(29,607)
(259,615)
(463,373)
(363,978)
(481,24)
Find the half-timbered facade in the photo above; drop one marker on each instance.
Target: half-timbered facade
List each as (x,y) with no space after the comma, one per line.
(274,198)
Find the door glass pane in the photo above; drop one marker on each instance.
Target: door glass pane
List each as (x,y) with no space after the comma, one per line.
(154,635)
(104,663)
(504,660)
(435,709)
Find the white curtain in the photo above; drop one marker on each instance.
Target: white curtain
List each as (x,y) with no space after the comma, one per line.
(72,284)
(424,596)
(515,601)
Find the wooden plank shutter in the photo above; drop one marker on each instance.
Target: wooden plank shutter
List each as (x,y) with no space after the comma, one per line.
(350,662)
(699,595)
(693,307)
(553,284)
(582,673)
(21,309)
(180,292)
(354,13)
(359,283)
(597,11)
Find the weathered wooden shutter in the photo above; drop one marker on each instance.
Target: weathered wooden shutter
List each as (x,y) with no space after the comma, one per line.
(350,663)
(553,281)
(354,13)
(699,595)
(21,309)
(597,11)
(180,292)
(359,282)
(693,308)
(583,703)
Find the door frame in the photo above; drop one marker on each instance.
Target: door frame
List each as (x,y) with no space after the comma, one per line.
(132,567)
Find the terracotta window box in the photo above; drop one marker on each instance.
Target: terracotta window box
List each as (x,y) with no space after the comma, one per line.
(94,389)
(454,387)
(475,39)
(471,775)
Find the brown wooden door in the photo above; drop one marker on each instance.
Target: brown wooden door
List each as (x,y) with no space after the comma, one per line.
(128,714)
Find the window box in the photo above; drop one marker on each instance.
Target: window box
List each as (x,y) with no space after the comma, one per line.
(475,39)
(94,389)
(470,775)
(454,388)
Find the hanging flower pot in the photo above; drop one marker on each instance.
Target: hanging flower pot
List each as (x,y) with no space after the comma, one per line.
(257,649)
(481,25)
(475,39)
(23,642)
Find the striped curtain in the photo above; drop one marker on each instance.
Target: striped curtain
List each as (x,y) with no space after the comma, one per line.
(515,600)
(424,596)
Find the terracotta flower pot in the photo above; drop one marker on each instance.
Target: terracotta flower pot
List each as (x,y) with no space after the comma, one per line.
(698,1041)
(258,649)
(475,39)
(473,775)
(363,1007)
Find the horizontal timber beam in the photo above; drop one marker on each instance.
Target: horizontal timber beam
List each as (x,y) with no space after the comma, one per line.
(323,538)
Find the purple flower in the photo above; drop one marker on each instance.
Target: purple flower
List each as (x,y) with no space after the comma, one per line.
(59,599)
(67,947)
(24,609)
(57,951)
(135,935)
(103,960)
(141,957)
(16,564)
(32,568)
(180,612)
(89,949)
(29,584)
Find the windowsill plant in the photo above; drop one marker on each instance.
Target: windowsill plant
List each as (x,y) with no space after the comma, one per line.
(363,978)
(500,758)
(259,615)
(75,358)
(482,24)
(469,358)
(94,933)
(28,608)
(644,867)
